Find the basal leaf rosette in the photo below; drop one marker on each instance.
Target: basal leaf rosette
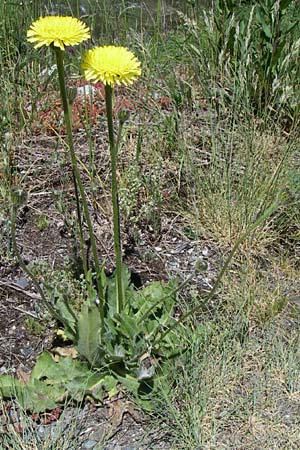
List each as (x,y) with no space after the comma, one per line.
(61,31)
(111,65)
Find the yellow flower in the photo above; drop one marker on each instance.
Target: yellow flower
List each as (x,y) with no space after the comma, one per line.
(57,30)
(111,65)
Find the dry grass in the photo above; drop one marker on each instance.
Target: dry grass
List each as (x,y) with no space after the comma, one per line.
(239,387)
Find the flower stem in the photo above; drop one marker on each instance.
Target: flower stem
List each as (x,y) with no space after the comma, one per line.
(67,118)
(114,190)
(78,185)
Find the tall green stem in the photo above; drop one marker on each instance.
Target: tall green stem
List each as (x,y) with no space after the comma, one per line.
(114,191)
(68,123)
(78,185)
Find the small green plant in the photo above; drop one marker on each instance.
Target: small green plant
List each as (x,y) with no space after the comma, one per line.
(140,195)
(35,326)
(42,222)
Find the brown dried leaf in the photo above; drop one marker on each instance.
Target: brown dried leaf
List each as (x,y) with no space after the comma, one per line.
(64,351)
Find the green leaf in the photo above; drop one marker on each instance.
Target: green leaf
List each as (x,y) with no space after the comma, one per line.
(79,387)
(50,382)
(107,382)
(130,382)
(288,30)
(58,373)
(155,296)
(37,396)
(260,17)
(67,315)
(127,325)
(284,4)
(44,365)
(91,291)
(88,331)
(267,30)
(92,384)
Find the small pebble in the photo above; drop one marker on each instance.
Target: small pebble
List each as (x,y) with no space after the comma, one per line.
(22,282)
(41,431)
(27,351)
(90,444)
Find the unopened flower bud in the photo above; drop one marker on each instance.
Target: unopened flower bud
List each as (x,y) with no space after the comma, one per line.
(123,116)
(19,197)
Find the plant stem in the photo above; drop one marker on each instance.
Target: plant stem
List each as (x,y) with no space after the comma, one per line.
(114,191)
(67,119)
(78,185)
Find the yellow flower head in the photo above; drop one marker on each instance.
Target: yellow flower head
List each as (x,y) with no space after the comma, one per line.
(57,30)
(111,65)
